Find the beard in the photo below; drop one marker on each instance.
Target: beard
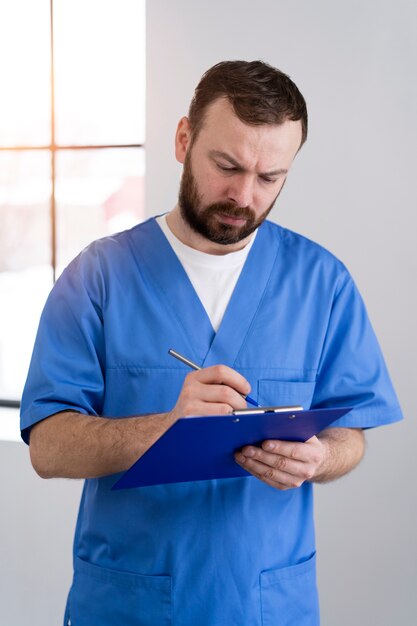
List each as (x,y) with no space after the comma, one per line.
(203,220)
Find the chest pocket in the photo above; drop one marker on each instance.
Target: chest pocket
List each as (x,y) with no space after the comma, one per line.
(285,393)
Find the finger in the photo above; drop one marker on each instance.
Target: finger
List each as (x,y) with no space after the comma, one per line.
(223,375)
(223,394)
(307,452)
(211,393)
(197,407)
(267,474)
(209,408)
(278,462)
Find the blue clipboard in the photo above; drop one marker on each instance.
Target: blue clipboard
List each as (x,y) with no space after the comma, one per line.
(202,448)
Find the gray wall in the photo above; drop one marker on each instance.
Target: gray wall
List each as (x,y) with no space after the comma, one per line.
(37,522)
(351,190)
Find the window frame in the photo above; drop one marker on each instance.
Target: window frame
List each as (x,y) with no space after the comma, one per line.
(53,148)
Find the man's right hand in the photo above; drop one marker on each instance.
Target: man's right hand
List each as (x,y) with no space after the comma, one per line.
(215,390)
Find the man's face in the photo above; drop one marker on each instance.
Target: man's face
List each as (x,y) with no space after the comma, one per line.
(233,173)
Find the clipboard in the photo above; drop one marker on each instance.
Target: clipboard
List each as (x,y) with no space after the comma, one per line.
(202,448)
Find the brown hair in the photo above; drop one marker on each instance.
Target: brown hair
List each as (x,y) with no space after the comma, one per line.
(258,92)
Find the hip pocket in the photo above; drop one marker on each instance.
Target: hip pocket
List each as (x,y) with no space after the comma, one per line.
(289,595)
(105,597)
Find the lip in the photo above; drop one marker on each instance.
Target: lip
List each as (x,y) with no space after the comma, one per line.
(232,221)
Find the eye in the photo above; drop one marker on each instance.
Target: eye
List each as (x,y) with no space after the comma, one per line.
(268,180)
(226,168)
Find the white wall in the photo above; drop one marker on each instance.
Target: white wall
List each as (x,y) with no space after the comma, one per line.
(352,189)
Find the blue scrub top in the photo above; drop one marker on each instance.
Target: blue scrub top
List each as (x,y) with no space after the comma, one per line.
(207,553)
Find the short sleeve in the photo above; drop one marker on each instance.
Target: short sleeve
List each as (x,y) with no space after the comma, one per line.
(352,371)
(66,369)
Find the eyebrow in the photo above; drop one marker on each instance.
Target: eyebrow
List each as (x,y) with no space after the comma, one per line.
(223,155)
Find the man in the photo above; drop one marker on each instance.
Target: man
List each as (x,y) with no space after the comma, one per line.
(264,311)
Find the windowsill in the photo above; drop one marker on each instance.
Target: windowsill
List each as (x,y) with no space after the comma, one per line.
(9,425)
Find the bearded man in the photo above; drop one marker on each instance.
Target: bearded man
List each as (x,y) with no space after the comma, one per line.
(263,311)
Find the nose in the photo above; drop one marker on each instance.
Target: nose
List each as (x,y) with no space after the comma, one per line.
(241,191)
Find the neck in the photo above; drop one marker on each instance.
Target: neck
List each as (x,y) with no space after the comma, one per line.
(181,229)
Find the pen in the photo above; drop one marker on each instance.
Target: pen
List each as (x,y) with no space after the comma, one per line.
(194,366)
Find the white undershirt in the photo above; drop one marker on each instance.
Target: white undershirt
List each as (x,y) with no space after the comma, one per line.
(213,276)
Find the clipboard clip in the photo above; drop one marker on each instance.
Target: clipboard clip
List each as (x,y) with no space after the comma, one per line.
(267,409)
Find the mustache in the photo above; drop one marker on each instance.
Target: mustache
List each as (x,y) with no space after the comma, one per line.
(227,208)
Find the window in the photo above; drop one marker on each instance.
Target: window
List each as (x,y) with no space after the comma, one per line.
(72,128)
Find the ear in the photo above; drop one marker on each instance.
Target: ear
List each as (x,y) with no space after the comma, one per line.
(182,139)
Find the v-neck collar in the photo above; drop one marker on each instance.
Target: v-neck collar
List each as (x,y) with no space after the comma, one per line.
(245,300)
(170,278)
(204,345)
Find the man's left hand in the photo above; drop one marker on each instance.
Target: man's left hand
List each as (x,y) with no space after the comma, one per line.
(284,464)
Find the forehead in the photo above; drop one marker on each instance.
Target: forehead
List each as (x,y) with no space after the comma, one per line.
(265,146)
